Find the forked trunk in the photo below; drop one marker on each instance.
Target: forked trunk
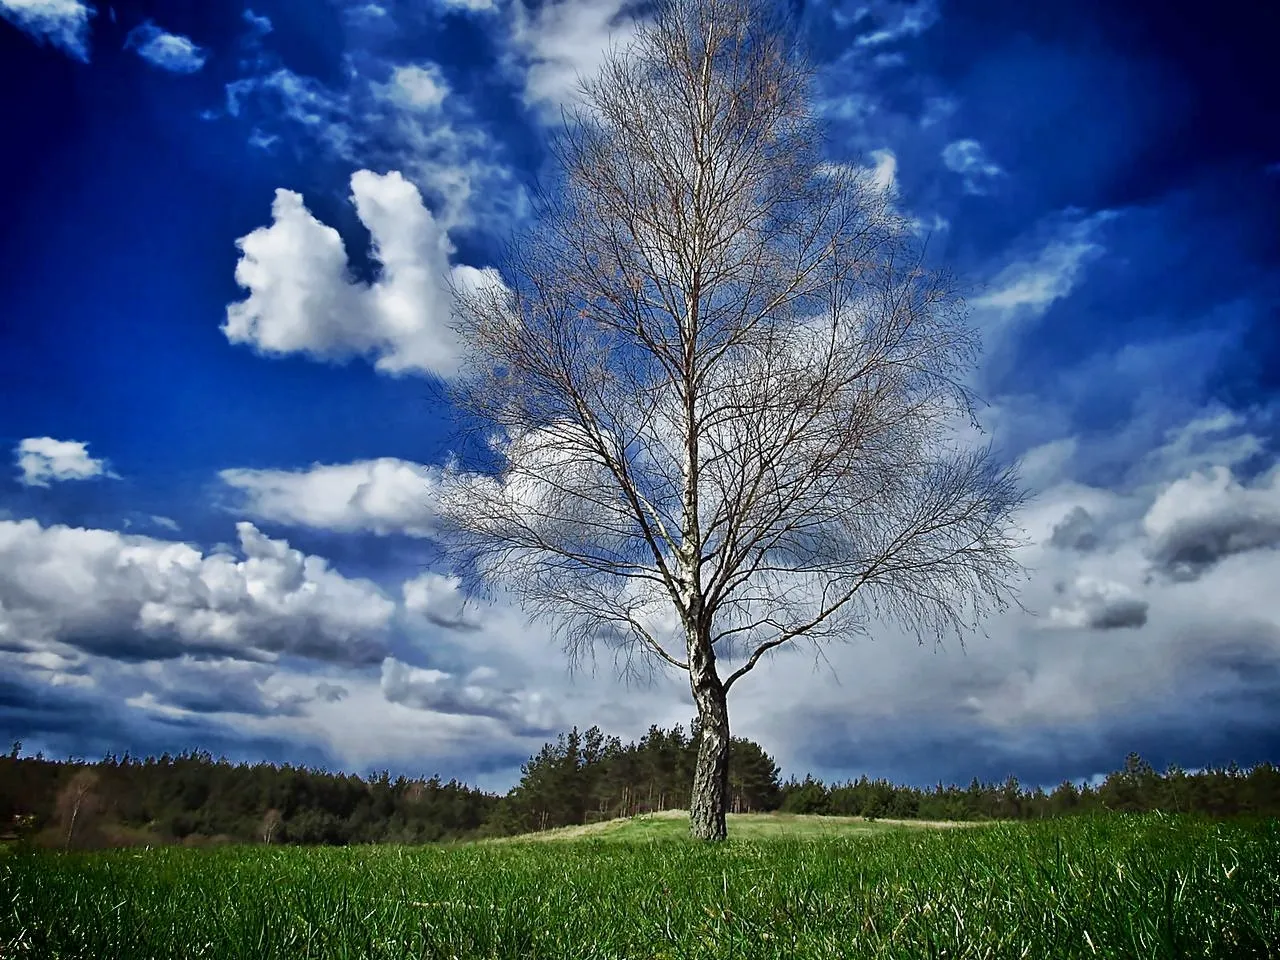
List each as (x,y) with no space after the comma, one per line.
(711,774)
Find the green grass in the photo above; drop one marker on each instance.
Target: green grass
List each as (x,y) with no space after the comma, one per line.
(1120,887)
(673,825)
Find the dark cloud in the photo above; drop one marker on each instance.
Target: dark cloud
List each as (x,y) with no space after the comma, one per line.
(67,721)
(330,692)
(1195,545)
(948,751)
(222,687)
(1121,613)
(1202,519)
(1076,531)
(1098,605)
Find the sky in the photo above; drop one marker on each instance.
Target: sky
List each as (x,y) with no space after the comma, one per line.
(224,322)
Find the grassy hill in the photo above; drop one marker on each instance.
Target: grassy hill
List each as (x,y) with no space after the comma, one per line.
(674,825)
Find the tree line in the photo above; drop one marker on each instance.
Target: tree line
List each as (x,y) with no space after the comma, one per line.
(579,778)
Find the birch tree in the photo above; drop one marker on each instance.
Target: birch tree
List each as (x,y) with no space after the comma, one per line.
(718,388)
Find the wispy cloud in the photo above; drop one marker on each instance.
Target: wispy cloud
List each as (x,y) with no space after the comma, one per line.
(258,23)
(563,41)
(391,116)
(64,23)
(889,20)
(969,159)
(936,110)
(168,51)
(1033,282)
(43,460)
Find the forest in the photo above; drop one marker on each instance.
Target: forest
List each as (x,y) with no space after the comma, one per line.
(581,777)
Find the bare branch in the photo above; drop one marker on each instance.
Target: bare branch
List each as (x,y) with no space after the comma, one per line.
(721,389)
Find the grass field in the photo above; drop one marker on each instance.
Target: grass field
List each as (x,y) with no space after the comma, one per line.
(674,825)
(1117,887)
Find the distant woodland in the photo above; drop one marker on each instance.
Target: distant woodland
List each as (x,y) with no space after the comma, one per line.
(195,799)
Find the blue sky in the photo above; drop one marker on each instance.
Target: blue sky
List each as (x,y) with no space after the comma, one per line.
(223,316)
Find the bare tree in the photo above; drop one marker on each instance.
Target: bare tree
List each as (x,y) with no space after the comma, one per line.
(76,804)
(271,821)
(720,390)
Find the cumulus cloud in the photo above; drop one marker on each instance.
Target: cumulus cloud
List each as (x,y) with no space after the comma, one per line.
(1096,604)
(302,300)
(43,460)
(969,159)
(419,87)
(475,694)
(168,51)
(64,23)
(1199,519)
(382,496)
(136,598)
(438,599)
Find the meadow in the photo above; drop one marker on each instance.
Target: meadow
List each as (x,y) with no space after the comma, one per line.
(1149,886)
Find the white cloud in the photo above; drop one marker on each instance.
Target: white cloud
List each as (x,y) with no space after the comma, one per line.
(1198,520)
(891,21)
(138,598)
(380,496)
(64,23)
(366,12)
(44,459)
(563,41)
(969,159)
(884,174)
(1031,284)
(168,51)
(1096,604)
(302,300)
(472,695)
(391,116)
(303,101)
(258,23)
(419,87)
(936,110)
(438,599)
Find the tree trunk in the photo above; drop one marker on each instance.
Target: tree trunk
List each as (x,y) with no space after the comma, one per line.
(711,773)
